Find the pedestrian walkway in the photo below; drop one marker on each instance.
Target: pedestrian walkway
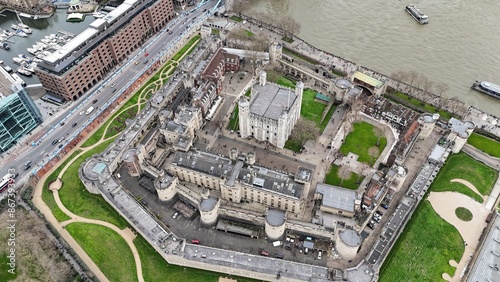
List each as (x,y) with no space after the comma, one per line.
(127,234)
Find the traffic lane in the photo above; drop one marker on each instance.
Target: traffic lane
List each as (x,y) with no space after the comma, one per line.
(120,81)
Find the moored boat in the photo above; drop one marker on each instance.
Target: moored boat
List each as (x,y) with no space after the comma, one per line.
(21,33)
(24,72)
(420,17)
(14,26)
(5,46)
(75,17)
(487,88)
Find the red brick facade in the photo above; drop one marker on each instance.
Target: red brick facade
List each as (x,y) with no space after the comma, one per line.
(99,61)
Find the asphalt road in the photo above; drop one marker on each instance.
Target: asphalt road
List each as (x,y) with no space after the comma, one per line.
(62,128)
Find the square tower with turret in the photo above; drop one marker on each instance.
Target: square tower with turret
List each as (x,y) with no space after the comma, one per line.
(272,113)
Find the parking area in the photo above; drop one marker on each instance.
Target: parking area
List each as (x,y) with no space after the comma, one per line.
(192,229)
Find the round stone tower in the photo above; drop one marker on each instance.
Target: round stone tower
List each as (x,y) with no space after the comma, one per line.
(209,208)
(166,187)
(347,243)
(275,224)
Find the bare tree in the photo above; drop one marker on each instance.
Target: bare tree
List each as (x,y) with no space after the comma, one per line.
(363,168)
(272,75)
(344,173)
(373,152)
(303,131)
(440,89)
(289,25)
(412,77)
(379,132)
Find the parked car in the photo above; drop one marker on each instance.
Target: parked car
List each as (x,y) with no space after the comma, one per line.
(376,219)
(113,85)
(264,253)
(319,254)
(144,202)
(371,225)
(55,141)
(379,213)
(175,215)
(278,256)
(384,206)
(195,241)
(95,101)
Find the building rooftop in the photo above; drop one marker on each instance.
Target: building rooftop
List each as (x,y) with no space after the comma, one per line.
(336,197)
(98,30)
(239,171)
(208,204)
(460,127)
(350,237)
(275,217)
(368,79)
(487,264)
(271,100)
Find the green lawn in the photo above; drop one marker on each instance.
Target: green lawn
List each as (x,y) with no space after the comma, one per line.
(155,268)
(462,166)
(423,250)
(233,122)
(118,123)
(188,45)
(77,199)
(107,249)
(249,92)
(360,140)
(281,80)
(424,107)
(47,196)
(464,214)
(327,118)
(311,109)
(485,144)
(248,32)
(101,131)
(299,56)
(333,178)
(287,39)
(236,18)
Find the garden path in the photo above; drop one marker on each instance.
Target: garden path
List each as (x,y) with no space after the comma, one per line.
(445,204)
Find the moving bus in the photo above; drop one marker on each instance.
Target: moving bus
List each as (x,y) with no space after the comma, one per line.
(5,184)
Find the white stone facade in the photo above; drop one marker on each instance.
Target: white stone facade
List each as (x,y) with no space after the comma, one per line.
(272,112)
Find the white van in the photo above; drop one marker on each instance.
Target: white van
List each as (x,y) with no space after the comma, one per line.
(277,243)
(89,110)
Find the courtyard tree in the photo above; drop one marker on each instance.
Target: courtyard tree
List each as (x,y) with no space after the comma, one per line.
(363,168)
(344,173)
(303,131)
(289,25)
(373,152)
(379,132)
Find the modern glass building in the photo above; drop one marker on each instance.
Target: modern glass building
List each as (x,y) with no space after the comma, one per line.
(18,116)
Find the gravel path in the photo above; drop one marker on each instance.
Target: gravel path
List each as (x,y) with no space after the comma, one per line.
(445,204)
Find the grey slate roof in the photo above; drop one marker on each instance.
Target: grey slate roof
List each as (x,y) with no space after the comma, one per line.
(271,100)
(336,197)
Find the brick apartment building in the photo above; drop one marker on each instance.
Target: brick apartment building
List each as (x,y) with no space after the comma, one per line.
(210,82)
(86,59)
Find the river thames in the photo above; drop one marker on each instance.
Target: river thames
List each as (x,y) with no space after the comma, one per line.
(457,47)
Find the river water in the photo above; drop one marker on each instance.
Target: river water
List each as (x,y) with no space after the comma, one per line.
(40,28)
(457,47)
